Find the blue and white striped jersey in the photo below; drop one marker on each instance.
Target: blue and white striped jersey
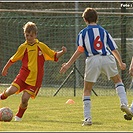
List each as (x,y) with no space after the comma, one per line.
(96,40)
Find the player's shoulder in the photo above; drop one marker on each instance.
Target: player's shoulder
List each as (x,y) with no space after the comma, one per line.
(22,45)
(102,28)
(82,31)
(90,27)
(41,43)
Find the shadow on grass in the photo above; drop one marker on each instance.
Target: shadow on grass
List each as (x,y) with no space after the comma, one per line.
(60,121)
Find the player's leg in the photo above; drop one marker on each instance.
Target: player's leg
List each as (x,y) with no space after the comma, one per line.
(23,106)
(92,72)
(120,90)
(87,103)
(15,86)
(129,116)
(9,91)
(111,70)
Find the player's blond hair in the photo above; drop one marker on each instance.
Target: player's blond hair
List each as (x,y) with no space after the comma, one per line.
(30,27)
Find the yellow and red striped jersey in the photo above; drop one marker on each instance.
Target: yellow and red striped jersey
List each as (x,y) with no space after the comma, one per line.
(33,58)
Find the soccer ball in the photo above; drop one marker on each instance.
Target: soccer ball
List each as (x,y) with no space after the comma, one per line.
(6,114)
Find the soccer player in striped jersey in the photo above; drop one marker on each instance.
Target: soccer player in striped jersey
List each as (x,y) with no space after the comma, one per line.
(101,52)
(129,116)
(33,55)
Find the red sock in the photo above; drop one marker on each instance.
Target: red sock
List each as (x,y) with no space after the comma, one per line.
(21,112)
(3,96)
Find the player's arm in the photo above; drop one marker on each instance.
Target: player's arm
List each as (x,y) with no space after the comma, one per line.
(66,66)
(17,56)
(50,54)
(60,53)
(6,67)
(131,68)
(118,58)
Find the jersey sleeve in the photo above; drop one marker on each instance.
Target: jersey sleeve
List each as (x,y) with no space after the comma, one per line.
(48,53)
(19,54)
(80,41)
(80,49)
(111,43)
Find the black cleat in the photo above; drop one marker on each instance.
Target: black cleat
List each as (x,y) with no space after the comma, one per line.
(127,117)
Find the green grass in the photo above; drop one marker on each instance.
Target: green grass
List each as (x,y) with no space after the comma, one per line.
(53,114)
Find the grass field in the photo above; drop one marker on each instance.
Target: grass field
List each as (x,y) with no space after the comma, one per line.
(53,114)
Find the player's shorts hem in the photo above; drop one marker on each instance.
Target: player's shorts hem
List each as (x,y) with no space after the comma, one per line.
(31,93)
(17,86)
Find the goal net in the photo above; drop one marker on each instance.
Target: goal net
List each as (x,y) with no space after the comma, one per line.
(60,26)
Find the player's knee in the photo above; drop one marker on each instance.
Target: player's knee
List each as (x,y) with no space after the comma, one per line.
(116,79)
(11,90)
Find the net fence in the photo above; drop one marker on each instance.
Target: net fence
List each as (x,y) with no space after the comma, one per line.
(58,24)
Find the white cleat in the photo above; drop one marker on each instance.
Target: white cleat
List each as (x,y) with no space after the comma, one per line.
(87,122)
(17,118)
(125,109)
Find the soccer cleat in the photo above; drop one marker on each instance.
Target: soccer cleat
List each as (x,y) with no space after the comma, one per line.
(17,118)
(125,109)
(127,117)
(87,122)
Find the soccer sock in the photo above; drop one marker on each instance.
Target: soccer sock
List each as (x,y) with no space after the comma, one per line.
(21,111)
(120,90)
(3,96)
(87,107)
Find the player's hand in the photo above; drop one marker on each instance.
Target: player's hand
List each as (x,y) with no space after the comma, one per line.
(122,66)
(131,71)
(64,68)
(4,72)
(64,49)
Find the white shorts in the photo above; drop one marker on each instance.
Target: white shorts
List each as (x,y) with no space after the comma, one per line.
(98,64)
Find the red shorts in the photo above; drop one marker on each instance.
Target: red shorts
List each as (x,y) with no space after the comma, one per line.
(22,86)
